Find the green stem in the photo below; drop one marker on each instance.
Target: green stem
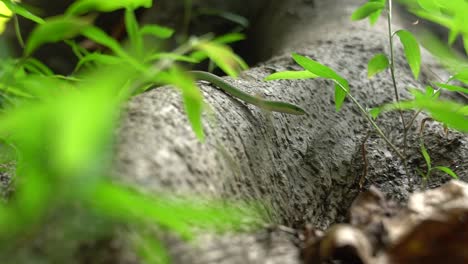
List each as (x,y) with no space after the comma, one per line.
(376,127)
(392,71)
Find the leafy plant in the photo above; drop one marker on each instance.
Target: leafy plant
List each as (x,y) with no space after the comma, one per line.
(62,127)
(451,114)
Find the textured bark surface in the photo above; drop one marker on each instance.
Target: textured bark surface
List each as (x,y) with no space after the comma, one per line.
(304,168)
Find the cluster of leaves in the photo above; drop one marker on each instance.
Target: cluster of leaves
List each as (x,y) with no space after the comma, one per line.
(60,128)
(450,113)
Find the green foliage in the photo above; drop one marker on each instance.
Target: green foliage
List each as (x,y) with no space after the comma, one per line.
(430,169)
(377,64)
(368,9)
(18,9)
(313,70)
(83,6)
(412,52)
(62,127)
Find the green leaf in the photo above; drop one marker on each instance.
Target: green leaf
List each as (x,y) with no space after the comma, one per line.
(375,112)
(83,6)
(366,10)
(426,156)
(429,5)
(291,75)
(341,87)
(36,66)
(55,29)
(229,38)
(223,56)
(453,88)
(448,171)
(412,52)
(99,36)
(377,64)
(102,59)
(242,21)
(450,113)
(193,99)
(20,10)
(171,56)
(157,31)
(462,76)
(375,16)
(131,24)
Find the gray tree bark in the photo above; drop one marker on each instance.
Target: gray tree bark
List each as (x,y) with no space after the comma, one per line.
(304,169)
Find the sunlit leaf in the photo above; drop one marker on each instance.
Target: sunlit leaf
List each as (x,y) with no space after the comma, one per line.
(341,87)
(291,75)
(412,52)
(229,38)
(83,6)
(448,171)
(367,9)
(223,56)
(377,64)
(56,29)
(157,31)
(20,10)
(375,16)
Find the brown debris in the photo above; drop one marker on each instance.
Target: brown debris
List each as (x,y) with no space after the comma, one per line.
(433,228)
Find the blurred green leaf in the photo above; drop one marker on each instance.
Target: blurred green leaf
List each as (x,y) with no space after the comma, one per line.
(377,64)
(366,10)
(35,66)
(171,56)
(462,76)
(193,99)
(56,29)
(157,31)
(450,113)
(429,5)
(229,38)
(20,10)
(412,52)
(101,59)
(150,249)
(290,75)
(83,6)
(448,171)
(453,88)
(341,87)
(131,24)
(99,36)
(223,56)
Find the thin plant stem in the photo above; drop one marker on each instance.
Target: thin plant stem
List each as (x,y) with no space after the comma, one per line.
(392,71)
(374,125)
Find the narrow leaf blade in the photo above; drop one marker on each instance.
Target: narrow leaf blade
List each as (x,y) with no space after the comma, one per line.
(412,51)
